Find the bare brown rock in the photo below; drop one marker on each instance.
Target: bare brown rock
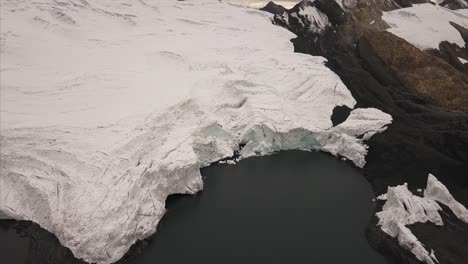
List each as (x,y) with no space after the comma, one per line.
(369,13)
(415,69)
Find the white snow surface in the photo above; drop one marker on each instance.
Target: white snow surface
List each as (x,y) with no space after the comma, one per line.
(426,25)
(403,208)
(107,108)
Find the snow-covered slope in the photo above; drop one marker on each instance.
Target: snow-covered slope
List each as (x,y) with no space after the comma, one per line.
(107,108)
(426,25)
(403,208)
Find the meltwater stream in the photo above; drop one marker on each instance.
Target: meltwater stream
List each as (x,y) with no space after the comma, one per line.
(293,207)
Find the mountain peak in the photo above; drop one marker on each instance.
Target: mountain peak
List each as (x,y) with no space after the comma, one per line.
(273,8)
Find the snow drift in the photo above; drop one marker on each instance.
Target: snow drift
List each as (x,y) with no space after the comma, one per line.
(107,108)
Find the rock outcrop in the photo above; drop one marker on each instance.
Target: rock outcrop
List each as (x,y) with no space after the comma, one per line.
(273,8)
(453,55)
(453,4)
(415,69)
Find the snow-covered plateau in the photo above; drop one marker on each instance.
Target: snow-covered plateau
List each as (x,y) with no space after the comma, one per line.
(108,107)
(404,208)
(426,25)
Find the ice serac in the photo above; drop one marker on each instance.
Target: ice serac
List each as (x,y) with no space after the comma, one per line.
(107,108)
(438,192)
(403,208)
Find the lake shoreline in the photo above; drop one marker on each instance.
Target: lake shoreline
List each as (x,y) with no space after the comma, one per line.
(274,168)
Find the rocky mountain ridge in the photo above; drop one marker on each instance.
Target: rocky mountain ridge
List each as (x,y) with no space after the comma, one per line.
(273,8)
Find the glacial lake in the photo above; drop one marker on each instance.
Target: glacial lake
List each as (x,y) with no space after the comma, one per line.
(292,207)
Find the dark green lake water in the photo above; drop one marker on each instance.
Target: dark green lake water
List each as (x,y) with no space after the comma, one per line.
(293,207)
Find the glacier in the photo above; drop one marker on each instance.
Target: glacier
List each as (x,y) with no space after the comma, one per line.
(403,208)
(108,108)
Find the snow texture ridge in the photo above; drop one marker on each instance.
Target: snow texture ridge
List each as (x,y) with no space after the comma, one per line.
(426,25)
(107,108)
(403,208)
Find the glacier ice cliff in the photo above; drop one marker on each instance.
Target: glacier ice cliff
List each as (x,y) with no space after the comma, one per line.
(403,208)
(108,108)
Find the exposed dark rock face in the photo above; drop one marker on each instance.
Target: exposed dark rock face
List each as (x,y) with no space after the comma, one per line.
(273,8)
(404,3)
(388,246)
(449,250)
(333,10)
(44,246)
(463,32)
(427,99)
(451,53)
(340,114)
(455,4)
(310,23)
